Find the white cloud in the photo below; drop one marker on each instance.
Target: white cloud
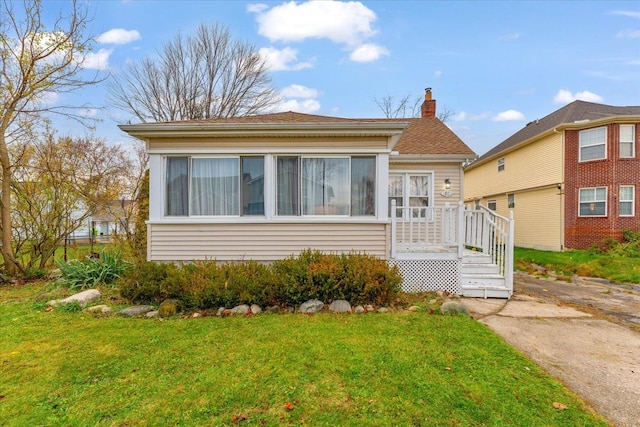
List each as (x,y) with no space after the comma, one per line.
(508,115)
(437,74)
(303,106)
(368,52)
(345,23)
(628,34)
(299,91)
(282,60)
(463,116)
(564,97)
(97,60)
(628,13)
(257,7)
(118,36)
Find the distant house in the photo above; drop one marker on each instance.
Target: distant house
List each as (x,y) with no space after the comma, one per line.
(571,178)
(268,186)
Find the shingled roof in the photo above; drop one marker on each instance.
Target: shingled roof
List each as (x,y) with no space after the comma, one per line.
(569,114)
(423,136)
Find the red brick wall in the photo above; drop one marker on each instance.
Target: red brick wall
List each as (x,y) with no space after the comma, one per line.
(583,232)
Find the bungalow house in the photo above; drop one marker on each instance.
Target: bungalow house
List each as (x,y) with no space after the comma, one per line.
(571,178)
(268,186)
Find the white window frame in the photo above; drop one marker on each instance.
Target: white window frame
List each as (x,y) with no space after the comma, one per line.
(606,196)
(632,200)
(632,141)
(501,164)
(511,204)
(494,203)
(406,186)
(584,133)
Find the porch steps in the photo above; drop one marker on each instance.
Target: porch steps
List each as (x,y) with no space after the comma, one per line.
(481,278)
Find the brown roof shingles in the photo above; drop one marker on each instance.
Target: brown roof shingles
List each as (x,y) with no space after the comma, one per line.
(423,136)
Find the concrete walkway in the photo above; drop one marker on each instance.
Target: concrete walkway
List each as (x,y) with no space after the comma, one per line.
(586,348)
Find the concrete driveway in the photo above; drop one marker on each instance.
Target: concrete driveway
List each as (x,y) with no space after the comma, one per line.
(586,334)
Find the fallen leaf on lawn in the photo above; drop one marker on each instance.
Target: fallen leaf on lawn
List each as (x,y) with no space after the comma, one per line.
(288,406)
(238,418)
(559,406)
(447,368)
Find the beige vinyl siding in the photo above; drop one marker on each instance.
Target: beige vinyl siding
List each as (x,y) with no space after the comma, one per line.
(532,166)
(537,216)
(261,242)
(246,145)
(441,171)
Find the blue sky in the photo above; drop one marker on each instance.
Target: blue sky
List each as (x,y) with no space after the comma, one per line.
(497,64)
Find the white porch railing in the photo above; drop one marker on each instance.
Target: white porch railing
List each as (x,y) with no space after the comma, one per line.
(492,234)
(416,228)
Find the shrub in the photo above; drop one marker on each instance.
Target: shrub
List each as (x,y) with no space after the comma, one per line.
(105,269)
(357,278)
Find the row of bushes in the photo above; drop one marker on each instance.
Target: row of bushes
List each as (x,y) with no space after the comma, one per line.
(628,247)
(357,278)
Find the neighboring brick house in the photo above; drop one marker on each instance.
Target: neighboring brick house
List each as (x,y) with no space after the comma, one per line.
(571,178)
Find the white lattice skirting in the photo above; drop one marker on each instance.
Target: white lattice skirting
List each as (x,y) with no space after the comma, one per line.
(428,275)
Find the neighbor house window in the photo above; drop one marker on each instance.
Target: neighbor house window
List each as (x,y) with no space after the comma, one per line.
(626,199)
(214,186)
(501,164)
(627,141)
(411,190)
(511,201)
(593,144)
(325,185)
(593,201)
(492,205)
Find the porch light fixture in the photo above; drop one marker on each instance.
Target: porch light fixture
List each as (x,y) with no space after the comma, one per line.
(447,188)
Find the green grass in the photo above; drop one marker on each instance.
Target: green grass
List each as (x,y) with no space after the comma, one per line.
(583,263)
(404,369)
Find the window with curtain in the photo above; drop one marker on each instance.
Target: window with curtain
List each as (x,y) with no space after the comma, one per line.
(214,186)
(396,192)
(177,186)
(593,201)
(325,186)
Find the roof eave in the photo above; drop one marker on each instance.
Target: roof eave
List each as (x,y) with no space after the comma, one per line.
(147,131)
(431,158)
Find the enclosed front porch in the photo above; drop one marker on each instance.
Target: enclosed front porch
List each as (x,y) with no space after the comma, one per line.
(463,251)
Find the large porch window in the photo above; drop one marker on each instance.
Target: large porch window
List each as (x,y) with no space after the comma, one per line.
(311,186)
(214,186)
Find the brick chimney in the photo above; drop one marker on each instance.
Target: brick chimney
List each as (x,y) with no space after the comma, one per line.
(429,105)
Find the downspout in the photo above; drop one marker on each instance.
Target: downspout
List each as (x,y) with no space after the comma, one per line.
(561,188)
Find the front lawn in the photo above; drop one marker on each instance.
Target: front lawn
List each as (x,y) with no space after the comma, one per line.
(404,369)
(619,269)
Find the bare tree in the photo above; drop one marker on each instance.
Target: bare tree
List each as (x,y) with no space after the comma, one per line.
(207,75)
(57,186)
(405,107)
(36,62)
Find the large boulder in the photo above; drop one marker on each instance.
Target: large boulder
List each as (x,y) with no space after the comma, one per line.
(82,298)
(311,306)
(453,308)
(241,309)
